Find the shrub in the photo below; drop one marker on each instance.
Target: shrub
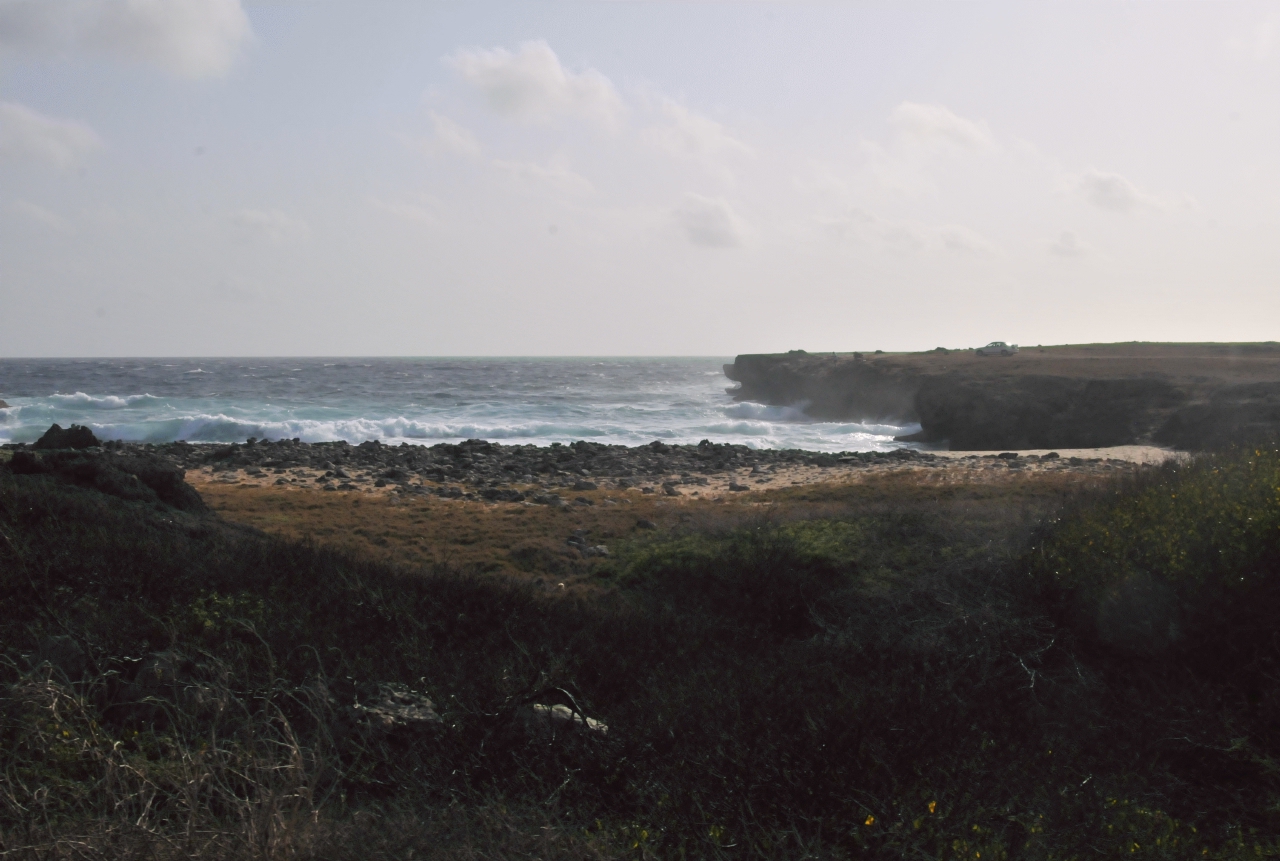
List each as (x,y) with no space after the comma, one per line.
(1185,558)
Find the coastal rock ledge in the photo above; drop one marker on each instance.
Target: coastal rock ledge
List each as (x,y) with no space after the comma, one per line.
(1188,396)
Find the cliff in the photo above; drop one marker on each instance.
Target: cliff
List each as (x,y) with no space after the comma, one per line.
(1190,396)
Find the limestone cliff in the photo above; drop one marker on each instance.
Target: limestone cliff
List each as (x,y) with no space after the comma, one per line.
(1190,396)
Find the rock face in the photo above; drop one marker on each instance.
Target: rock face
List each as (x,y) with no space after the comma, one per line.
(1191,396)
(76,436)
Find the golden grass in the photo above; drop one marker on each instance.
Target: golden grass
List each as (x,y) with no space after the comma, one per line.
(529,540)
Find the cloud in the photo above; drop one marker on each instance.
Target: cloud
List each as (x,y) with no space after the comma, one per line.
(963,240)
(41,216)
(868,228)
(531,84)
(1068,245)
(189,38)
(536,174)
(1111,191)
(687,134)
(412,212)
(709,222)
(454,138)
(933,124)
(272,225)
(31,136)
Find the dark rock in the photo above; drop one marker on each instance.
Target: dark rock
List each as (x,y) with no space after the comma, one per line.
(3,404)
(583,484)
(397,709)
(76,436)
(645,524)
(502,494)
(733,485)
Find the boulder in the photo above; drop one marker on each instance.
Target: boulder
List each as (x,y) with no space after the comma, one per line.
(396,708)
(76,436)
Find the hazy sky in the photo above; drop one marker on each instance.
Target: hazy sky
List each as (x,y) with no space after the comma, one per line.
(217,177)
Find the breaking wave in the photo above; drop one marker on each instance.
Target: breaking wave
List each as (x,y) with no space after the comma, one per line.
(422,402)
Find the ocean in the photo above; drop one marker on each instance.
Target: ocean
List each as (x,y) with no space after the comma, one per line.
(423,401)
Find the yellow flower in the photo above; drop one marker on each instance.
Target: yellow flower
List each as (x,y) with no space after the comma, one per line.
(933,807)
(871,820)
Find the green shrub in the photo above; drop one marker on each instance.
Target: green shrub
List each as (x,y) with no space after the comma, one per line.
(1186,558)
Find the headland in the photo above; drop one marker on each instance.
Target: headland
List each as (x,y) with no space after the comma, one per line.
(1186,396)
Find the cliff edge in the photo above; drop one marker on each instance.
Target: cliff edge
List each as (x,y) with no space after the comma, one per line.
(1189,396)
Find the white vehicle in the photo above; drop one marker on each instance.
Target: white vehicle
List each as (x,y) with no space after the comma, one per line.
(997,348)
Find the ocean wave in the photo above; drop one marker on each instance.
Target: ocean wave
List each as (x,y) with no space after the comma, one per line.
(222,428)
(765,412)
(109,402)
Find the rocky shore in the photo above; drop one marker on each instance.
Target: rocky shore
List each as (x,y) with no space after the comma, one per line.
(559,474)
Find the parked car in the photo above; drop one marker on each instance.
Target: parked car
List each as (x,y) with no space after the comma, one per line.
(997,348)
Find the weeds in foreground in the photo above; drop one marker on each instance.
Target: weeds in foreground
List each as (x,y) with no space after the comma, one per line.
(836,687)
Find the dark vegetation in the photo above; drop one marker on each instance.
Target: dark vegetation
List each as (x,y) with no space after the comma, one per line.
(865,681)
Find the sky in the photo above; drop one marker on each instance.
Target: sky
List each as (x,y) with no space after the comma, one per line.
(237,178)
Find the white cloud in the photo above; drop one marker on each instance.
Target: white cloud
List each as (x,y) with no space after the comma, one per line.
(867,228)
(272,225)
(28,135)
(454,138)
(189,38)
(934,123)
(687,134)
(961,239)
(531,84)
(1068,245)
(40,215)
(537,174)
(412,212)
(710,222)
(1111,191)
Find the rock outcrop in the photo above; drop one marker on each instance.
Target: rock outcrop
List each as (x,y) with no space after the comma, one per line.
(1190,396)
(76,436)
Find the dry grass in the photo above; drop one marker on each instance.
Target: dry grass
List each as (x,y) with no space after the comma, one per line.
(529,540)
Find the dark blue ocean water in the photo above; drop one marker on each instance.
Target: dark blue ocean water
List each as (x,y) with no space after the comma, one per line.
(623,400)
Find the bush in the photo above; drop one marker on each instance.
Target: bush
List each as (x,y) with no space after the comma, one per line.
(1185,558)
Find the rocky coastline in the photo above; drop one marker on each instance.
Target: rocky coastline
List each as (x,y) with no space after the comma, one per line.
(1187,396)
(580,473)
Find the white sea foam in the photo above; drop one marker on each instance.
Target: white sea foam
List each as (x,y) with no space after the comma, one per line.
(419,401)
(107,402)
